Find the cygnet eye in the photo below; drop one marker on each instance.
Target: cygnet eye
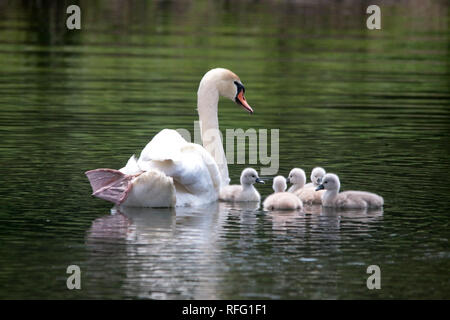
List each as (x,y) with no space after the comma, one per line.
(253,175)
(326,182)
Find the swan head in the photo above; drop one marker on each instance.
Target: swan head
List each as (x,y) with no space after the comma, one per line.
(227,84)
(297,176)
(330,182)
(250,176)
(317,175)
(279,184)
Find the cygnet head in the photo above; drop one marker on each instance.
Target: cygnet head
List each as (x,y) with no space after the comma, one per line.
(249,176)
(297,177)
(330,182)
(317,175)
(279,184)
(227,84)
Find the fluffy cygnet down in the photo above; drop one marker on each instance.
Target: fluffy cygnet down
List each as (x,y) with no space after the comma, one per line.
(297,177)
(306,192)
(317,175)
(346,199)
(281,200)
(245,191)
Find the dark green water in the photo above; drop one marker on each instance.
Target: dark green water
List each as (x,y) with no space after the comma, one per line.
(372,106)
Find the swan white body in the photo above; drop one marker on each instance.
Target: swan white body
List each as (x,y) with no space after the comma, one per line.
(245,192)
(171,171)
(281,200)
(346,199)
(307,193)
(175,173)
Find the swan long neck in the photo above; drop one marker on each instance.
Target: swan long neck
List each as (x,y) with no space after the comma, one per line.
(207,105)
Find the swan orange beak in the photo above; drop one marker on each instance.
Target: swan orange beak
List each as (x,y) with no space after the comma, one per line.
(240,99)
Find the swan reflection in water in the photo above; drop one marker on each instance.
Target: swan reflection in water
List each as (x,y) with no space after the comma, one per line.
(190,252)
(325,221)
(165,253)
(330,222)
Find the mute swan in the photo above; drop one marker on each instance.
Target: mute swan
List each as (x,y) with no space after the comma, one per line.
(308,193)
(170,171)
(346,199)
(281,200)
(244,192)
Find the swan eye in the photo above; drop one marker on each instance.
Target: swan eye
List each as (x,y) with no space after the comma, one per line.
(240,87)
(253,175)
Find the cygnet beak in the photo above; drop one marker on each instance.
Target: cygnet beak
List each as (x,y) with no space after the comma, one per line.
(258,180)
(287,180)
(320,187)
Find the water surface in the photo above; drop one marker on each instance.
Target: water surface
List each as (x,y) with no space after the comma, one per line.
(372,106)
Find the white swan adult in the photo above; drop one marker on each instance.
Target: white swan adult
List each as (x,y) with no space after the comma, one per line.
(281,200)
(245,192)
(346,199)
(307,192)
(171,171)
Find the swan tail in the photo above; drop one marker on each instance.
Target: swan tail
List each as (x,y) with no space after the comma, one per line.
(151,189)
(109,184)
